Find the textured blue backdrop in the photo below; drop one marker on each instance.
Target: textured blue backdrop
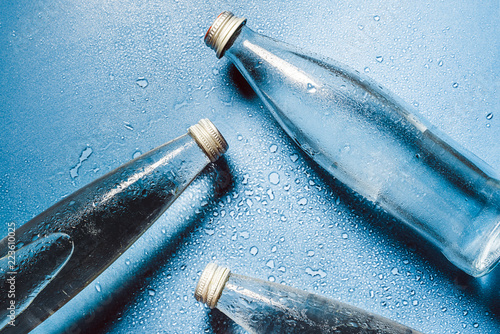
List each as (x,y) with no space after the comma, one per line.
(85,85)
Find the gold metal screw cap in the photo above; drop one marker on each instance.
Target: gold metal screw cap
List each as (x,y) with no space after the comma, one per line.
(209,139)
(222,31)
(211,283)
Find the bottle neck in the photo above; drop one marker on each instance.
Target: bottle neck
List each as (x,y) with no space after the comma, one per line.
(242,40)
(258,62)
(241,299)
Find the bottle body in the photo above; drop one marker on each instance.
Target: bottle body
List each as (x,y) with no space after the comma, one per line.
(265,307)
(102,220)
(379,147)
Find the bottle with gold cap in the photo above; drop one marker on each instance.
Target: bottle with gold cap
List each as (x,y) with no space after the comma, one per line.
(374,143)
(56,254)
(263,307)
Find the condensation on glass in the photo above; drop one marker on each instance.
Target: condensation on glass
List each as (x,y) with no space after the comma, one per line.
(263,307)
(64,248)
(374,143)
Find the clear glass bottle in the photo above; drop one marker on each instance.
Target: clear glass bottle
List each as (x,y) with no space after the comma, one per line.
(263,307)
(59,252)
(374,143)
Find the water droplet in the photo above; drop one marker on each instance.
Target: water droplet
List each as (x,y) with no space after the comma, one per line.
(274,178)
(440,63)
(127,262)
(151,292)
(98,287)
(310,253)
(344,236)
(244,235)
(273,148)
(271,279)
(128,126)
(270,194)
(215,71)
(178,106)
(86,153)
(455,85)
(444,309)
(302,201)
(270,264)
(367,69)
(254,250)
(282,269)
(395,271)
(142,82)
(489,116)
(360,27)
(415,302)
(314,273)
(311,88)
(136,154)
(294,157)
(274,249)
(376,18)
(475,325)
(209,231)
(465,312)
(379,59)
(240,137)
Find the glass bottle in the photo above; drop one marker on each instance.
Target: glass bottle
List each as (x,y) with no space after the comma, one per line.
(263,307)
(374,143)
(59,252)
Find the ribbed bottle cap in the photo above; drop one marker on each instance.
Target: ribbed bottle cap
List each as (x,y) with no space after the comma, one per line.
(209,139)
(211,283)
(222,30)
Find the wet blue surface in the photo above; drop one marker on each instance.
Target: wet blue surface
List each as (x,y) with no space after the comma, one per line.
(87,85)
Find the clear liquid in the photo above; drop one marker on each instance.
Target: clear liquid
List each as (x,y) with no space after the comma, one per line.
(264,307)
(379,147)
(28,271)
(104,218)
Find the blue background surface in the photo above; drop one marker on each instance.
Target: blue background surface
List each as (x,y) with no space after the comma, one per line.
(88,84)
